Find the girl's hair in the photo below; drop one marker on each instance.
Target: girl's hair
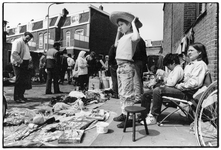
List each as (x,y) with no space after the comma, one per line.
(170,58)
(201,48)
(122,20)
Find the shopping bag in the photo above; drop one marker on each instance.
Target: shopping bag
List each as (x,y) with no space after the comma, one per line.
(75,73)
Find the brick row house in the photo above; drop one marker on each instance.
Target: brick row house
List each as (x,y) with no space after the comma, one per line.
(88,30)
(185,23)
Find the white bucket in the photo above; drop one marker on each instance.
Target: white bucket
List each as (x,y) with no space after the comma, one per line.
(102,127)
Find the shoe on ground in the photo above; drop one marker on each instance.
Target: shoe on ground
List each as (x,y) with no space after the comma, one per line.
(150,120)
(20,100)
(59,92)
(23,98)
(122,117)
(128,124)
(48,92)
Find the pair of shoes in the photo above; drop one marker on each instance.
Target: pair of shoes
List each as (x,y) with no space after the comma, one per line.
(58,92)
(150,120)
(19,100)
(23,98)
(122,117)
(48,93)
(128,124)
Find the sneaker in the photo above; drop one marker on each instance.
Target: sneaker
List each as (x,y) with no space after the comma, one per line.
(129,124)
(150,120)
(122,117)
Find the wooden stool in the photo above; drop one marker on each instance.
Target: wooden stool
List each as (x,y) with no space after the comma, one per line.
(134,110)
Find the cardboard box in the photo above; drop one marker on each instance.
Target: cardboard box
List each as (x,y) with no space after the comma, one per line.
(94,83)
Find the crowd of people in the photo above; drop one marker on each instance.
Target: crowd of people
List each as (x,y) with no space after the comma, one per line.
(125,63)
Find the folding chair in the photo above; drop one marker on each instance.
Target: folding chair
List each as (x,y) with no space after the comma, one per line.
(191,103)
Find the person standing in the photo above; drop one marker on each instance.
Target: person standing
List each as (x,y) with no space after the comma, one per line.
(82,68)
(127,24)
(140,58)
(42,67)
(53,67)
(71,63)
(113,70)
(64,65)
(20,57)
(91,61)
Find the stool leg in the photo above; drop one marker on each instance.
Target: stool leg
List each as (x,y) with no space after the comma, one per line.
(134,125)
(145,125)
(125,123)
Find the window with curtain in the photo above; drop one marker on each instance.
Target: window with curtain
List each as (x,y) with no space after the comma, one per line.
(45,40)
(79,31)
(40,40)
(68,38)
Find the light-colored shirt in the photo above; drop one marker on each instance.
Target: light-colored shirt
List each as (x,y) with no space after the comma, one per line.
(70,61)
(126,47)
(194,74)
(27,54)
(20,51)
(175,76)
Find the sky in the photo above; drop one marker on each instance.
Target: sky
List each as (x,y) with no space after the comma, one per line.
(150,14)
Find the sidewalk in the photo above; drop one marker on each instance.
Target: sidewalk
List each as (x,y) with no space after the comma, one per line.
(173,134)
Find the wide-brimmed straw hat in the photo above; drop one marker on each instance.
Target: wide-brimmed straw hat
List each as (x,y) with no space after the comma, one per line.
(114,16)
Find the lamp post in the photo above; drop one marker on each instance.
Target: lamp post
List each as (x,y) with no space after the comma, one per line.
(48,24)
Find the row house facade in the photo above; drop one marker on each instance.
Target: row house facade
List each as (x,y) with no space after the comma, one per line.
(88,30)
(186,23)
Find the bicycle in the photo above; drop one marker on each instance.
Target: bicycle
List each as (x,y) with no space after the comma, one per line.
(206,117)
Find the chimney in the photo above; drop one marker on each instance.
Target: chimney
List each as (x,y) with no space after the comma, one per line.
(101,7)
(64,12)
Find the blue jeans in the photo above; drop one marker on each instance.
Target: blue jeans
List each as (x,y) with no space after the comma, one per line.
(125,76)
(156,94)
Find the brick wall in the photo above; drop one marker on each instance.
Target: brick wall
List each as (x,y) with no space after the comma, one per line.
(178,25)
(189,15)
(179,17)
(206,32)
(167,28)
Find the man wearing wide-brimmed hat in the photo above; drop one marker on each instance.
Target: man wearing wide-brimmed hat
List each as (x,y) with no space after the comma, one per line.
(128,25)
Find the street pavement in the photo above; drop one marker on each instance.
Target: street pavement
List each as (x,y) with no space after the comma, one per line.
(175,133)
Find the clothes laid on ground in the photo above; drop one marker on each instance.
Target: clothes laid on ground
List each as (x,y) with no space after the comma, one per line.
(48,123)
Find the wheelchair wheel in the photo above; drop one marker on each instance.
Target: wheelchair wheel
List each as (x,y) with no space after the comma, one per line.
(207,117)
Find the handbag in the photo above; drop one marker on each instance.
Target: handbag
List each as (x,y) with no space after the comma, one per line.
(75,71)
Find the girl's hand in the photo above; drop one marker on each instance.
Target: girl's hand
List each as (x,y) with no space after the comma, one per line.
(118,29)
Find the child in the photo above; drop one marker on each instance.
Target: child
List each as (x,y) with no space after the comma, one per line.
(126,45)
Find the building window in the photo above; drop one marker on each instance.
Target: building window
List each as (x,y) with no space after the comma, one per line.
(45,40)
(68,38)
(79,31)
(40,40)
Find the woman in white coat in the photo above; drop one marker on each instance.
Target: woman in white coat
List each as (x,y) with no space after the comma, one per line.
(82,68)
